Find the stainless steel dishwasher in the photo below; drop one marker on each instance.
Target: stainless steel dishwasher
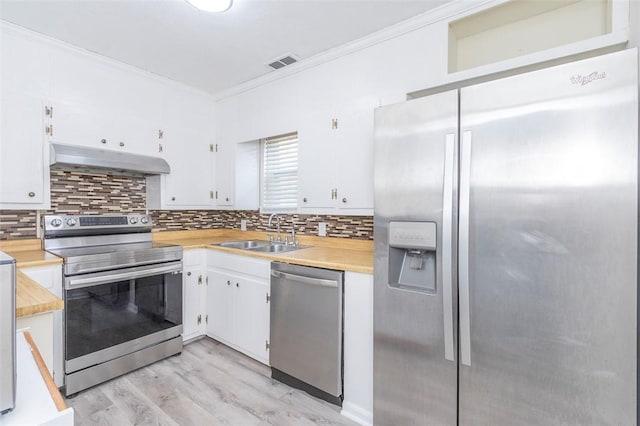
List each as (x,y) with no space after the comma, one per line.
(306,329)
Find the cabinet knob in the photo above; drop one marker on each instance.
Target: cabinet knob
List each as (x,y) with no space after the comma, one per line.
(173,198)
(226,199)
(121,144)
(304,200)
(228,282)
(237,285)
(188,274)
(32,194)
(103,140)
(344,200)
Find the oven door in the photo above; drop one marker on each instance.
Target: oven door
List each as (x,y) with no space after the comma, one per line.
(113,313)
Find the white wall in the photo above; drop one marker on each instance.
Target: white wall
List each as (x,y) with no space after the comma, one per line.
(60,73)
(386,71)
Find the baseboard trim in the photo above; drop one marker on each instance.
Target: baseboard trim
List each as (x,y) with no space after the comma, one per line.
(356,413)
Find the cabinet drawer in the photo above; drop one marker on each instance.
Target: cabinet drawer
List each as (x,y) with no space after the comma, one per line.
(243,264)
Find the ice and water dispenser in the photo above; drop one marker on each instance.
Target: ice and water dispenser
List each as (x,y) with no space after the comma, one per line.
(412,256)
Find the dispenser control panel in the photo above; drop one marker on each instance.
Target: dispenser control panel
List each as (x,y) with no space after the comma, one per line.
(413,235)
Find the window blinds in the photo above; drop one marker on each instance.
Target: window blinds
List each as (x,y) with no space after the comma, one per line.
(280,173)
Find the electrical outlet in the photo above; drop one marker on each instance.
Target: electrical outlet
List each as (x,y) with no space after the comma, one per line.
(243,225)
(322,229)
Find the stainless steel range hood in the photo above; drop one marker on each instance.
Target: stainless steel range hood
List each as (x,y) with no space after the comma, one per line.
(69,157)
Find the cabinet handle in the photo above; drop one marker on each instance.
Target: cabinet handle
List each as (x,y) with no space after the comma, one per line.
(344,200)
(103,141)
(228,282)
(121,143)
(237,284)
(226,199)
(304,200)
(32,194)
(188,274)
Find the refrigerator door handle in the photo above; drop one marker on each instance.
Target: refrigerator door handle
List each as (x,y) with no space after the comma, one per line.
(447,247)
(463,255)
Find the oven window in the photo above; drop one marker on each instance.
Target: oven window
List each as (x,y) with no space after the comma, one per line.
(105,315)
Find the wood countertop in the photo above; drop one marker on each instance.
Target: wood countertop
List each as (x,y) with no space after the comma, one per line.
(29,253)
(32,298)
(323,252)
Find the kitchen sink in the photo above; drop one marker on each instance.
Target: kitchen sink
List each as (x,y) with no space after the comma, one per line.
(261,246)
(244,245)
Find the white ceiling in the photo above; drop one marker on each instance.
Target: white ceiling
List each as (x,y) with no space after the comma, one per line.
(211,52)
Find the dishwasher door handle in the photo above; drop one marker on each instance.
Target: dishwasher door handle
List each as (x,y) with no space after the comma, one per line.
(305,280)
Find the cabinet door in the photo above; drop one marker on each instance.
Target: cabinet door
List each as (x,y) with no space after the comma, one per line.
(189,184)
(354,144)
(316,163)
(224,175)
(220,305)
(76,124)
(252,317)
(136,135)
(193,279)
(22,178)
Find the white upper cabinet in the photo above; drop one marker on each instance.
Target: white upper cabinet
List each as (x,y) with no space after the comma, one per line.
(354,140)
(317,163)
(101,105)
(24,169)
(190,156)
(187,143)
(336,161)
(224,195)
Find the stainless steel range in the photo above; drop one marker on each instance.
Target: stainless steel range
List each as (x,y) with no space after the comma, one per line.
(122,293)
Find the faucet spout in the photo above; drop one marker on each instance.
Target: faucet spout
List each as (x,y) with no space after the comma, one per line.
(277,223)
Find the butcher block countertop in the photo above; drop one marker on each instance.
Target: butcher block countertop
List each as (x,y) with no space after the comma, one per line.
(323,252)
(33,299)
(29,253)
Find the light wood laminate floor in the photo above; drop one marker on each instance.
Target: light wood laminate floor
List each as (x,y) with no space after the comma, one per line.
(208,384)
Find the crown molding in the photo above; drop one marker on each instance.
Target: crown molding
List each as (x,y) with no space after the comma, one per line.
(63,45)
(456,8)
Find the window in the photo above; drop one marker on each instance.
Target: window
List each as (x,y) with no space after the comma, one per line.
(279,186)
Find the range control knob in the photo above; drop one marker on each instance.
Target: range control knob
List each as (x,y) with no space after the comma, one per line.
(71,221)
(56,222)
(144,220)
(133,220)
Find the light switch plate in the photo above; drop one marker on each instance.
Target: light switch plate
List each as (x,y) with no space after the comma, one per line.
(322,229)
(243,224)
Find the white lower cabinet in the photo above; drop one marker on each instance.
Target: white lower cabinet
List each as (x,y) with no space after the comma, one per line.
(238,303)
(194,282)
(220,296)
(46,329)
(358,348)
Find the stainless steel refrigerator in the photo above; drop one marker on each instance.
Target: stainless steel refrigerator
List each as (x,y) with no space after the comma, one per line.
(506,243)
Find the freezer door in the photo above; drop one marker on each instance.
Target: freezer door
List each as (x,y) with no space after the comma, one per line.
(548,246)
(415,370)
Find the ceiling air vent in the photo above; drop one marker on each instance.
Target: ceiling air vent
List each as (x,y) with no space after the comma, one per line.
(283,62)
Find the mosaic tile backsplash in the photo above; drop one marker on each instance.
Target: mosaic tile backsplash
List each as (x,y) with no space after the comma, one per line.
(89,193)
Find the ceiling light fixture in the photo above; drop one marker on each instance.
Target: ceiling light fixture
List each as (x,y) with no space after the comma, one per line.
(211,5)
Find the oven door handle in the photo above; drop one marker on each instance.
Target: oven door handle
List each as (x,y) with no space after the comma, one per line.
(115,276)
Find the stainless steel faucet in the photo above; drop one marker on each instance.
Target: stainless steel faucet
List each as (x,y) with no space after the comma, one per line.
(278,224)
